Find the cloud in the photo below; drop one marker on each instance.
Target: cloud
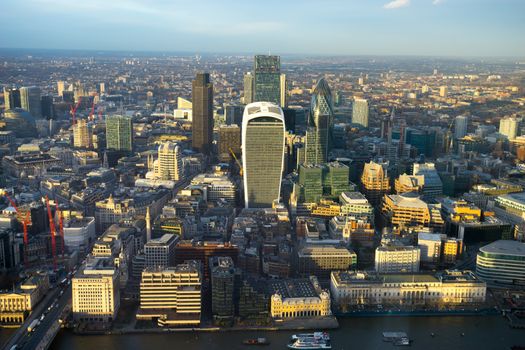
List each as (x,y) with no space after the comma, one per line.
(437,2)
(395,4)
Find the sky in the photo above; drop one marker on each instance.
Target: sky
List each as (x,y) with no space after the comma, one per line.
(485,28)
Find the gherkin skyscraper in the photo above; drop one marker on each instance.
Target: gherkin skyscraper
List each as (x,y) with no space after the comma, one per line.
(320,123)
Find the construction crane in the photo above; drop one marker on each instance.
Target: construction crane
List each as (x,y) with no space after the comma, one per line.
(236,160)
(53,232)
(60,226)
(25,221)
(73,111)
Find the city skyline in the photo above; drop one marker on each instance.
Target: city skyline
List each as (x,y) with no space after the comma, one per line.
(379,27)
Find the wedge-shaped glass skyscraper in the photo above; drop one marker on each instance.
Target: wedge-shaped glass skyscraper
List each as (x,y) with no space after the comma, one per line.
(318,134)
(262,153)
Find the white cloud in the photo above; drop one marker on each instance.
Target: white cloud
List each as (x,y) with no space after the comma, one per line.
(437,2)
(395,4)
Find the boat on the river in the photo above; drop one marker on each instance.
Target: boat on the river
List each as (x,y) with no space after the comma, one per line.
(256,341)
(310,341)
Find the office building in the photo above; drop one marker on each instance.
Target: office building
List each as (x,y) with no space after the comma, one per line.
(263,154)
(409,183)
(430,246)
(374,182)
(160,252)
(222,286)
(47,107)
(460,126)
(203,252)
(509,127)
(172,295)
(95,292)
(61,86)
(443,91)
(202,104)
(349,289)
(119,133)
(20,122)
(502,263)
(397,258)
(248,88)
(79,233)
(30,100)
(405,210)
(320,124)
(169,161)
(360,112)
(233,115)
(319,260)
(267,79)
(299,298)
(432,184)
(356,204)
(12,98)
(284,91)
(229,141)
(219,188)
(82,135)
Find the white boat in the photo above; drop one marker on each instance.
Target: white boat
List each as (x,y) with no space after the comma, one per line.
(310,341)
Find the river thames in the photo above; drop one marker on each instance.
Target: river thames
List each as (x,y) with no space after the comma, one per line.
(454,332)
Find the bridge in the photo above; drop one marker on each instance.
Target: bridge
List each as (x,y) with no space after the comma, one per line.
(51,307)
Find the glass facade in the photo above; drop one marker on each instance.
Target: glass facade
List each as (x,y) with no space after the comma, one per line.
(360,112)
(263,154)
(320,123)
(267,79)
(119,133)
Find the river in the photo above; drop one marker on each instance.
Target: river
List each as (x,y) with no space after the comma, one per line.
(480,332)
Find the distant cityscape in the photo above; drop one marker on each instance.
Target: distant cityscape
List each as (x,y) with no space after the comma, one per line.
(159,192)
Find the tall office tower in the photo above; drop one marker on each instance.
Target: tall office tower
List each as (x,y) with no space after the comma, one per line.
(102,88)
(374,182)
(248,88)
(222,286)
(267,79)
(119,133)
(170,161)
(82,135)
(47,106)
(263,153)
(160,252)
(12,98)
(460,126)
(202,124)
(233,115)
(320,124)
(30,100)
(229,141)
(360,112)
(509,127)
(61,86)
(284,91)
(443,91)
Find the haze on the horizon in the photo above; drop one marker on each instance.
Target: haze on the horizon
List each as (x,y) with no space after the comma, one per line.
(329,27)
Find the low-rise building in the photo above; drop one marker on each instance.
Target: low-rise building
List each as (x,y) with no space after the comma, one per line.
(300,298)
(448,288)
(320,260)
(397,258)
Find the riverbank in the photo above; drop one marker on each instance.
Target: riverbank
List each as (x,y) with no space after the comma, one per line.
(418,313)
(288,325)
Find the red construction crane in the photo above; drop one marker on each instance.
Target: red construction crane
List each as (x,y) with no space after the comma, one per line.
(60,227)
(73,111)
(25,221)
(53,232)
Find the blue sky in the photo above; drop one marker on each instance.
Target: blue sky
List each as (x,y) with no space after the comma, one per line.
(351,27)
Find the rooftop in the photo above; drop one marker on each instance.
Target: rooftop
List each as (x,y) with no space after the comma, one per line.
(506,247)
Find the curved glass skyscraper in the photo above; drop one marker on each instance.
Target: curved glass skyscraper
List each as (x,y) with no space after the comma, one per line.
(262,153)
(320,122)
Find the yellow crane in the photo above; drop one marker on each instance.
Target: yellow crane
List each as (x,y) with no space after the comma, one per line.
(236,160)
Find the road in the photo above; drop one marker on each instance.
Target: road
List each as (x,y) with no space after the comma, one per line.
(26,340)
